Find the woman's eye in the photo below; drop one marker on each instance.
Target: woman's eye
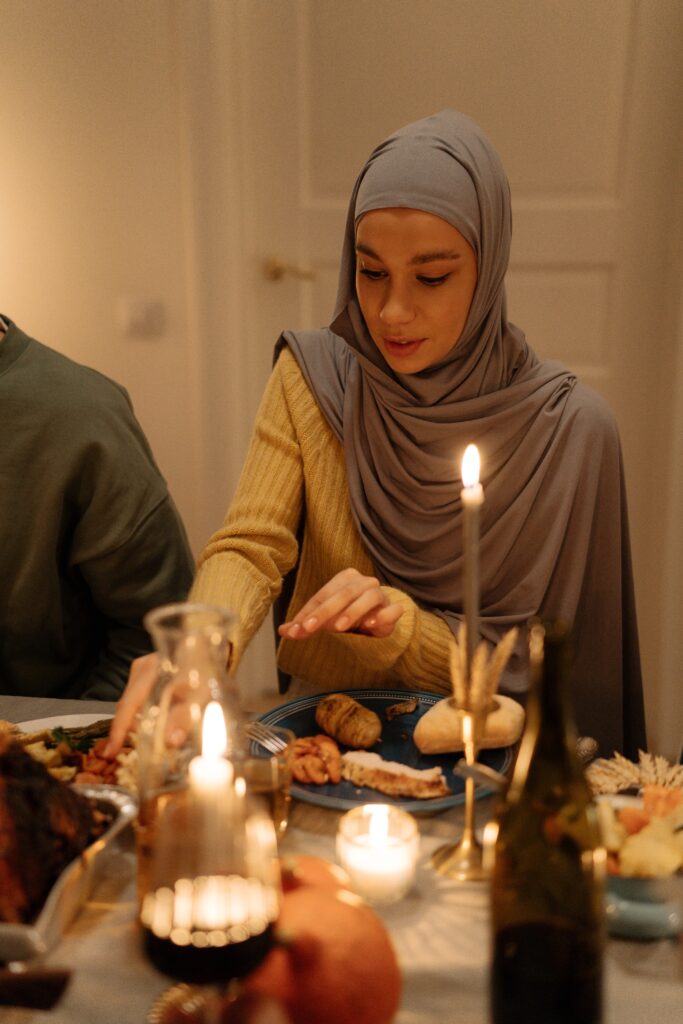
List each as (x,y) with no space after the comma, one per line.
(433,281)
(372,275)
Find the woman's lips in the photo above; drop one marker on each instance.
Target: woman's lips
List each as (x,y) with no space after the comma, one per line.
(401,348)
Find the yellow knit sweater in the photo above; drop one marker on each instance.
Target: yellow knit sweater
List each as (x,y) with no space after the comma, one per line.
(295,457)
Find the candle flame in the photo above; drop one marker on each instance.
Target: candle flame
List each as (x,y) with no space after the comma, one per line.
(214,733)
(378,825)
(470,466)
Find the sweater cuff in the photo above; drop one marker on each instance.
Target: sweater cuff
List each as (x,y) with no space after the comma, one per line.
(226,582)
(382,653)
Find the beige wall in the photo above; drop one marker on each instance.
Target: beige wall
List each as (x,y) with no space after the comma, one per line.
(92,202)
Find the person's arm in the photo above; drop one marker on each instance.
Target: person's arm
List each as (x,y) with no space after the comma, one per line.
(379,626)
(154,566)
(124,550)
(416,653)
(244,562)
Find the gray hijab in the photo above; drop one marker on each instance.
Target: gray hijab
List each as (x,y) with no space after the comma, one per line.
(551,470)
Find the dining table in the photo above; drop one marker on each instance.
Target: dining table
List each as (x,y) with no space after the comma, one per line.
(440,930)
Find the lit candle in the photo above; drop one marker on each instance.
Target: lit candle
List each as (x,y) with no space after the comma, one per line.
(210,773)
(377,845)
(472,496)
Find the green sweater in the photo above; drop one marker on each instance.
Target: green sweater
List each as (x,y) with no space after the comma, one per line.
(89,537)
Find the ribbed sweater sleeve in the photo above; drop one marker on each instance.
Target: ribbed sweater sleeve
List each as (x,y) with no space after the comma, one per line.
(244,562)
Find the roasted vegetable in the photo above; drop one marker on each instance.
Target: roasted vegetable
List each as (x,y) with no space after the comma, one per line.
(348,721)
(78,737)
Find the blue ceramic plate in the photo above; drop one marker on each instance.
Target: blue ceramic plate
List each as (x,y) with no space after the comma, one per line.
(396,744)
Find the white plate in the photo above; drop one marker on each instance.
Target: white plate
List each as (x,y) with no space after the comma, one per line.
(65,721)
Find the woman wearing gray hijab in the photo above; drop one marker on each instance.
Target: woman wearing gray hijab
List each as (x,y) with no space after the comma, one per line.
(352,478)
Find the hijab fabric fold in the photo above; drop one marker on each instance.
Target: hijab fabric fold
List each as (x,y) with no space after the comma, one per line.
(550,456)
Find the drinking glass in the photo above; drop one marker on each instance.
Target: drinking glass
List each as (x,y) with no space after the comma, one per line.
(214,887)
(214,890)
(268,774)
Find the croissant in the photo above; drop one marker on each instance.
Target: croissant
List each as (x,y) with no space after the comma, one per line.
(348,721)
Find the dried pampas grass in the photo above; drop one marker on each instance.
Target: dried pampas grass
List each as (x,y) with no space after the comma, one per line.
(615,774)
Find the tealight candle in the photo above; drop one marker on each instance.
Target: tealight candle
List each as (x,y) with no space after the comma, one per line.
(377,845)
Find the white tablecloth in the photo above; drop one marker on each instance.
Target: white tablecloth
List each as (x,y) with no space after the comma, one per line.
(440,932)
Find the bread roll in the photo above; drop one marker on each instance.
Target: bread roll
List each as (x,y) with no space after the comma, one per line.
(439,731)
(348,721)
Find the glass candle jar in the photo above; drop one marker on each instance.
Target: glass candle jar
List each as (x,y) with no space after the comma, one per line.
(378,846)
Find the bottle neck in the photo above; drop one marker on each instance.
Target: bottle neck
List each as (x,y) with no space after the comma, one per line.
(550,698)
(550,732)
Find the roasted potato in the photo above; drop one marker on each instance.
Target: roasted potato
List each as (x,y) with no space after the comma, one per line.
(343,718)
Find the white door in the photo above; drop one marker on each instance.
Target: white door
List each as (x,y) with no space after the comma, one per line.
(584,103)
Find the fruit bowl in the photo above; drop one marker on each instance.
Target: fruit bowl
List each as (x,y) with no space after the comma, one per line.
(644,908)
(641,907)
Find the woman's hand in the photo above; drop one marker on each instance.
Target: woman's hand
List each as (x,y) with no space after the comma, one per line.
(350,602)
(141,679)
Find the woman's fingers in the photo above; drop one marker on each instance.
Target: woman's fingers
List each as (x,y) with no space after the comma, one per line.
(331,599)
(381,623)
(335,602)
(143,675)
(348,601)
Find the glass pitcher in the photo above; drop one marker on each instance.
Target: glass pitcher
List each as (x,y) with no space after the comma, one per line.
(194,643)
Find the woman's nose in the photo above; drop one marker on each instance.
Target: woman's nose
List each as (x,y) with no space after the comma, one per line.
(397,307)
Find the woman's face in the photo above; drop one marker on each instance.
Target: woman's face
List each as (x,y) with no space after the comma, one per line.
(415,278)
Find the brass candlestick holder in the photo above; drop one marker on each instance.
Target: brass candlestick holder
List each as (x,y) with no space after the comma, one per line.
(474,682)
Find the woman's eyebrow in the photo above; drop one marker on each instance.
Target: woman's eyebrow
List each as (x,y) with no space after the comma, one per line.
(423,257)
(440,254)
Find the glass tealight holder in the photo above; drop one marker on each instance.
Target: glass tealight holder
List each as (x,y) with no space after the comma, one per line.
(378,847)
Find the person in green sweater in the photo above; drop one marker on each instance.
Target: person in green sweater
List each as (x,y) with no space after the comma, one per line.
(90,539)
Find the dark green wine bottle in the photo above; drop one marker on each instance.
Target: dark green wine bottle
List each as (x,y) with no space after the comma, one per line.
(547,877)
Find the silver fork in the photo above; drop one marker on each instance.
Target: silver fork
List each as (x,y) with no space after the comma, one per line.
(266,737)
